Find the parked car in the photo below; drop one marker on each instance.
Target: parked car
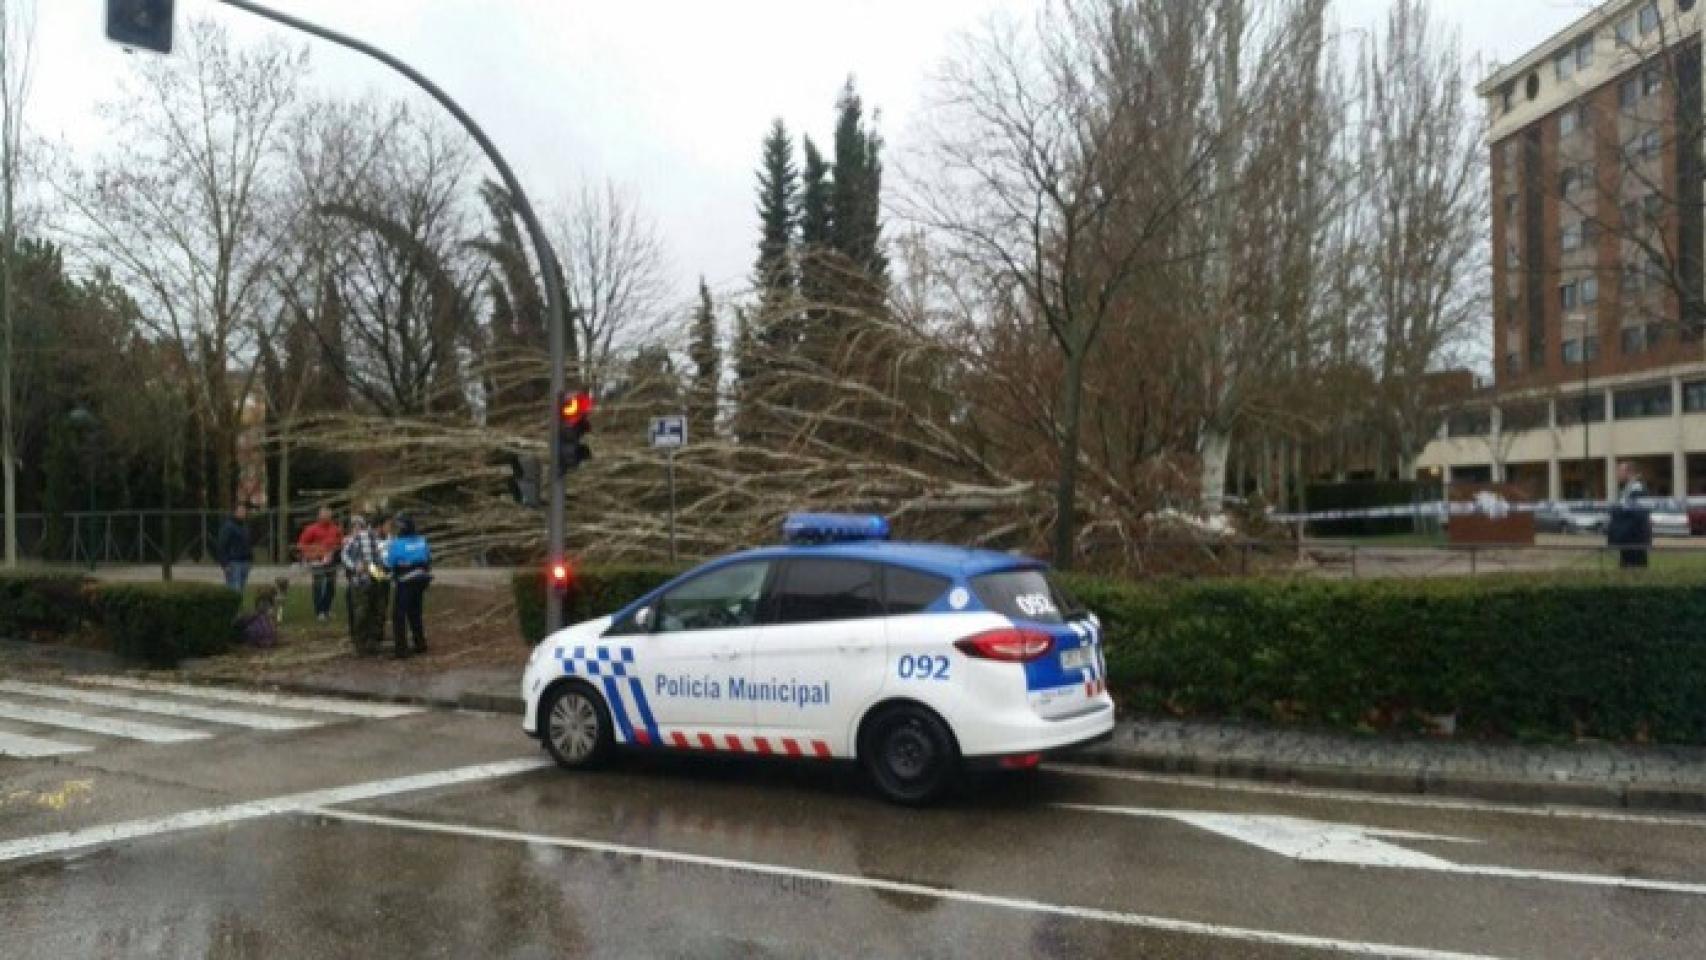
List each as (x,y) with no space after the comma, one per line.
(1563,518)
(1670,519)
(1697,521)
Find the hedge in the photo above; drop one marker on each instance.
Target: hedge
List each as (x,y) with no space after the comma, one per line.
(37,605)
(592,594)
(1617,657)
(164,623)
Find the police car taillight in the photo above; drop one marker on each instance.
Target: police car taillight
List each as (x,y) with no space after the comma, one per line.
(1011,645)
(834,528)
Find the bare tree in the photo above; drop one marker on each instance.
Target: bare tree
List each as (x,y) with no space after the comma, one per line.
(1057,164)
(1426,206)
(192,210)
(17,35)
(615,268)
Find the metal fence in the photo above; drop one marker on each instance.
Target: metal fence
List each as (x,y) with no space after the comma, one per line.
(141,537)
(1372,559)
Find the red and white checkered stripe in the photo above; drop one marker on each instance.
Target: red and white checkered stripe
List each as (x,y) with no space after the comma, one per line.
(682,739)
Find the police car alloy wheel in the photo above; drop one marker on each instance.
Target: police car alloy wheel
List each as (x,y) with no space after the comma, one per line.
(910,755)
(577,727)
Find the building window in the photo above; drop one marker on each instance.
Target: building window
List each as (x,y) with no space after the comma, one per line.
(1655,335)
(1632,341)
(1651,80)
(1633,279)
(1694,397)
(1531,86)
(1653,204)
(1583,408)
(1629,94)
(1523,417)
(1537,354)
(1642,402)
(1590,349)
(1566,181)
(1470,423)
(1589,291)
(1651,142)
(1568,121)
(1507,95)
(1569,296)
(1649,18)
(1564,64)
(1572,352)
(1584,52)
(1625,31)
(1572,238)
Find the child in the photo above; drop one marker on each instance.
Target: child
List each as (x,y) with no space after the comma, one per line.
(260,628)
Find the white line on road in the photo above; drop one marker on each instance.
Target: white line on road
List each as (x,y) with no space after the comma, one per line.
(348,708)
(1312,840)
(110,726)
(55,843)
(20,746)
(1166,924)
(1373,799)
(169,708)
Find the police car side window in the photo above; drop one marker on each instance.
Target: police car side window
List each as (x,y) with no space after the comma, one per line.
(817,590)
(909,591)
(723,598)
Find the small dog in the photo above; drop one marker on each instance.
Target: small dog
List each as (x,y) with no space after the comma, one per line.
(281,586)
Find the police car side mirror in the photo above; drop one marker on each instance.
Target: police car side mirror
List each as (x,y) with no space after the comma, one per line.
(643,619)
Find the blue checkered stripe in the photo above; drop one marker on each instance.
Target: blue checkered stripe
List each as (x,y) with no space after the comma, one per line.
(596,661)
(613,669)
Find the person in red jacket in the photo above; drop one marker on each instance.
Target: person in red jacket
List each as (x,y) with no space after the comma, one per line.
(319,548)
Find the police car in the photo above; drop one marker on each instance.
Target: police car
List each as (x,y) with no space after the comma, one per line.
(915,660)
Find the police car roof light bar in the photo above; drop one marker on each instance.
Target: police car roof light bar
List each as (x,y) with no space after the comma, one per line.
(802,528)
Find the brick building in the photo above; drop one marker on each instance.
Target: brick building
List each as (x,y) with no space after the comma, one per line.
(1597,231)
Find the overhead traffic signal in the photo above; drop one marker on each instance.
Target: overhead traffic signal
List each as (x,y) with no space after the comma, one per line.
(141,24)
(574,422)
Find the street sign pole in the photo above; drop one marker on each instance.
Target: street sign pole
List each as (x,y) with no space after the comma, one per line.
(555,296)
(669,434)
(672,507)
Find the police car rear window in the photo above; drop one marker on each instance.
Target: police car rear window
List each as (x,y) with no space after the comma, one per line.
(910,591)
(1026,595)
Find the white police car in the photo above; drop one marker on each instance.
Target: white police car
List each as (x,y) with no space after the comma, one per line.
(913,659)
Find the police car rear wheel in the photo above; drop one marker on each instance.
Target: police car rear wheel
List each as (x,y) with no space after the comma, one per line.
(910,755)
(577,727)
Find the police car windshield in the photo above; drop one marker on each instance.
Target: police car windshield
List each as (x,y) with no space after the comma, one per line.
(1032,595)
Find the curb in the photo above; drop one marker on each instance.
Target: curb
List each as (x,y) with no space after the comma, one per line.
(483,701)
(1635,795)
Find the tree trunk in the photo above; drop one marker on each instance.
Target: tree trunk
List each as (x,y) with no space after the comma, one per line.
(281,549)
(1065,522)
(1215,448)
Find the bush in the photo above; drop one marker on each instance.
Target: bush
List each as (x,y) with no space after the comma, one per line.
(592,594)
(1613,657)
(39,605)
(163,623)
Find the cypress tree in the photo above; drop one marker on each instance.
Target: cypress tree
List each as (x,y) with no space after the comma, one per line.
(707,366)
(856,220)
(817,259)
(778,198)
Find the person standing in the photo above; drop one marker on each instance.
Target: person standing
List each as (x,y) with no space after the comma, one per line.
(368,591)
(232,549)
(409,560)
(318,547)
(1630,525)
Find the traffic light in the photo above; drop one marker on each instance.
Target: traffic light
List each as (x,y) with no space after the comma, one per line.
(524,476)
(141,24)
(560,576)
(573,424)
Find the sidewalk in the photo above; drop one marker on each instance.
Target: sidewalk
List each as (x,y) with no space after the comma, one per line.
(1586,774)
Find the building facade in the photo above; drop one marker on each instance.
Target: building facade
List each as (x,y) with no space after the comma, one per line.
(1598,225)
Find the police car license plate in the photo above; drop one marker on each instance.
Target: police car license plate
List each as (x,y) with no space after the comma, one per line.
(1078,658)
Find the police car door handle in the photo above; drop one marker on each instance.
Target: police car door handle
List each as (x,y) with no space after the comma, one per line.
(727,653)
(855,646)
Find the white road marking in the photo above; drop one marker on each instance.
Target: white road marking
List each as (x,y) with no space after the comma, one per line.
(169,708)
(1374,799)
(348,708)
(1166,924)
(55,843)
(112,727)
(1314,841)
(20,746)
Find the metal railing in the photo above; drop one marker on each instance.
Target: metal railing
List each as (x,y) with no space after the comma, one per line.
(140,537)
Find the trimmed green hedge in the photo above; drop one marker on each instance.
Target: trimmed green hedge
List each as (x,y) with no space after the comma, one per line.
(592,594)
(164,623)
(40,604)
(1618,657)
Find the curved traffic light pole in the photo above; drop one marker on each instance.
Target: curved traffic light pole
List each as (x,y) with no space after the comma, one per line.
(555,296)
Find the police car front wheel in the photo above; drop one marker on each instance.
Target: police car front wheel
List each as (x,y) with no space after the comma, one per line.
(910,755)
(577,726)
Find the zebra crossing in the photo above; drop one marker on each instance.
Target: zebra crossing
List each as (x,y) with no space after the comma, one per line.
(84,714)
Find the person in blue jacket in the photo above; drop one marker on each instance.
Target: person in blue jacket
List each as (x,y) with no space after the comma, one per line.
(409,560)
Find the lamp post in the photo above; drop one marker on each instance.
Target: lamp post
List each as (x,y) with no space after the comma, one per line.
(85,423)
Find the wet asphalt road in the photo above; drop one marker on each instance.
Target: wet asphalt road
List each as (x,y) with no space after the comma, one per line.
(674,858)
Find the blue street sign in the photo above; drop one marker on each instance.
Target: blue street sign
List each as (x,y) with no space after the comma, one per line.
(669,433)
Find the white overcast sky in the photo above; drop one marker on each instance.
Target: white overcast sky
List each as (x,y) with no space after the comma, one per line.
(668,97)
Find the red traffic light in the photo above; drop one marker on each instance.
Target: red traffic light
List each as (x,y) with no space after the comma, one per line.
(575,408)
(560,574)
